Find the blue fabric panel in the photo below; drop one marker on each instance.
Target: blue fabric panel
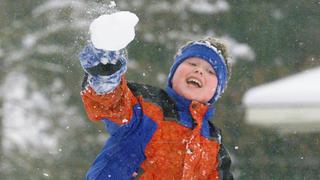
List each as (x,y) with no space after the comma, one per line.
(110,126)
(206,130)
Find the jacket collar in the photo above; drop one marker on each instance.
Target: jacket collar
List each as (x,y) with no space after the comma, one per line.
(183,106)
(181,102)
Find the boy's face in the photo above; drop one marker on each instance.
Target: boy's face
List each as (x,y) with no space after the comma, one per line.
(195,80)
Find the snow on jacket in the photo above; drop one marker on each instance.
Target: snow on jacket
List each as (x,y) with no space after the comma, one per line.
(154,133)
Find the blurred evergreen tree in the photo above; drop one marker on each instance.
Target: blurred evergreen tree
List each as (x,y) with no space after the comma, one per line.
(39,43)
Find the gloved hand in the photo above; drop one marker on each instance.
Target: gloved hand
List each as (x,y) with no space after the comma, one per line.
(91,57)
(104,68)
(105,60)
(110,34)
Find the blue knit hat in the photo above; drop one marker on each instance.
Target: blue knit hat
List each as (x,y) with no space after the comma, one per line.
(209,53)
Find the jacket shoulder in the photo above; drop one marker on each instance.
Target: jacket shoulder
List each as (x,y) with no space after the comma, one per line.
(156,96)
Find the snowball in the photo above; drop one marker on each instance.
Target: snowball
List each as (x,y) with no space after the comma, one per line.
(113,31)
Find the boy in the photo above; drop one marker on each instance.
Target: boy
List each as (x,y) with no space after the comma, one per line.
(155,133)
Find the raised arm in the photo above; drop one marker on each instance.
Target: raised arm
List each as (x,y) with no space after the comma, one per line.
(105,93)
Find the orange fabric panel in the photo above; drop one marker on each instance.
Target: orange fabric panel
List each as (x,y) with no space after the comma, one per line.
(161,160)
(177,152)
(116,105)
(165,154)
(201,161)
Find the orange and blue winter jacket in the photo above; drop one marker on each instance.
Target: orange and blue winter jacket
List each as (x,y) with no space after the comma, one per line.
(154,133)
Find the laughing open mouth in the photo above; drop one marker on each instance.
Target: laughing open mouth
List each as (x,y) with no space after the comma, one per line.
(194,82)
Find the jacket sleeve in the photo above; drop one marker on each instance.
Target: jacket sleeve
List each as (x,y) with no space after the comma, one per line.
(105,93)
(224,164)
(116,106)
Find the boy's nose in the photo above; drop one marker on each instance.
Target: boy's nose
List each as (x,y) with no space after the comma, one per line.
(198,71)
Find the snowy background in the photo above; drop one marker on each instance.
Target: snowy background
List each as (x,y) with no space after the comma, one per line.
(44,132)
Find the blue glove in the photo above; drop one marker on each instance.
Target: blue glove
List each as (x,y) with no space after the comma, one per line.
(104,68)
(91,56)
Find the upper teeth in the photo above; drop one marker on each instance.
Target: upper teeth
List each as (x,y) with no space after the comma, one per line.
(195,81)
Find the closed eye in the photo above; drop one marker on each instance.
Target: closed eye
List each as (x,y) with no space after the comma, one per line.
(192,64)
(211,72)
